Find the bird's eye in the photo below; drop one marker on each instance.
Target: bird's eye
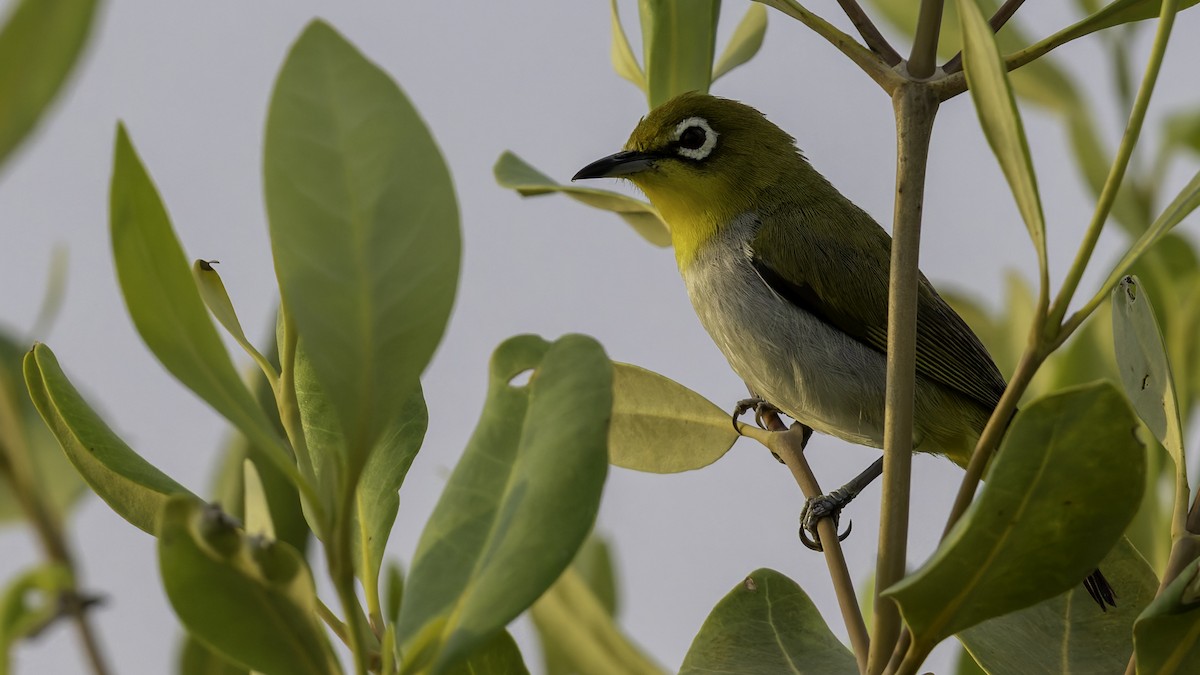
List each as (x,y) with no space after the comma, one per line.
(694,138)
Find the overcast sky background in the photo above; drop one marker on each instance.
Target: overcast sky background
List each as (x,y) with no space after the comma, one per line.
(191,82)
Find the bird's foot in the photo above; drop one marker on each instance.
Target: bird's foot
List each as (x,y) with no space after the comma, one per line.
(820,507)
(758,405)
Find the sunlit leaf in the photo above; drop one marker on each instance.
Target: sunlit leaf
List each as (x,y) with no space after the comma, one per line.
(662,426)
(133,487)
(364,229)
(995,560)
(747,39)
(767,624)
(519,503)
(514,173)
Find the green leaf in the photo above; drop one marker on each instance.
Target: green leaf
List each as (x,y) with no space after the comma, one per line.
(766,624)
(595,566)
(364,229)
(257,511)
(1068,633)
(133,487)
(29,603)
(166,307)
(996,559)
(196,659)
(1145,372)
(393,592)
(1115,14)
(500,656)
(966,665)
(1184,203)
(514,173)
(39,46)
(578,634)
(662,426)
(214,295)
(623,60)
(747,39)
(249,598)
(518,505)
(24,438)
(1182,130)
(679,41)
(1167,635)
(1001,121)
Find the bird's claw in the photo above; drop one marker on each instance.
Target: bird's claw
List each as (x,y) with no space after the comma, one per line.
(758,405)
(818,508)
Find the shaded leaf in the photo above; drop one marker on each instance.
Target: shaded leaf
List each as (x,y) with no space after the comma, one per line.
(662,426)
(767,624)
(28,603)
(1068,633)
(747,39)
(133,487)
(1000,119)
(364,229)
(249,598)
(623,60)
(257,518)
(519,503)
(1167,634)
(1182,130)
(995,561)
(196,659)
(500,656)
(39,46)
(678,44)
(514,173)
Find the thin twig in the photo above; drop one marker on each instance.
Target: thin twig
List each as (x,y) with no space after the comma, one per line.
(923,59)
(788,446)
(1001,17)
(870,34)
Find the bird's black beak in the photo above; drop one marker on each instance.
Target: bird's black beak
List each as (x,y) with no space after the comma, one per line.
(621,164)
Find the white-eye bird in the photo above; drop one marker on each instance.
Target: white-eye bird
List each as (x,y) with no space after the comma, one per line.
(790,279)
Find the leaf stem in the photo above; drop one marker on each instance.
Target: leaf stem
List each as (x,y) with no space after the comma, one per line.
(915,108)
(922,61)
(1108,193)
(870,34)
(341,572)
(788,445)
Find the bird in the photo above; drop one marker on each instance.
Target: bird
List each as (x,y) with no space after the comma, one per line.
(790,279)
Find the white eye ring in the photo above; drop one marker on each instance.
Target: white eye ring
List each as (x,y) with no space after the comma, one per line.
(710,137)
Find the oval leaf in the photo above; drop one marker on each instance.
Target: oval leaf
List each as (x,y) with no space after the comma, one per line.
(248,598)
(514,173)
(746,41)
(767,624)
(38,48)
(133,487)
(166,307)
(988,80)
(1068,633)
(1067,480)
(518,505)
(662,426)
(364,229)
(1167,634)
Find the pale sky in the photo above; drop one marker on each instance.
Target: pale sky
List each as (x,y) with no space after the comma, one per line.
(191,82)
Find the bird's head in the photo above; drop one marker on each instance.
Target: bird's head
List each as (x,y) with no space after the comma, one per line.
(703,161)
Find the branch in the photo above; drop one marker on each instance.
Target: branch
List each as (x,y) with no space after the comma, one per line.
(870,34)
(997,22)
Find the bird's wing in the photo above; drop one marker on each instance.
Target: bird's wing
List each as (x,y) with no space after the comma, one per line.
(813,272)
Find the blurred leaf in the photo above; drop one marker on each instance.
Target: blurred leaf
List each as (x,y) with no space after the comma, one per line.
(662,426)
(55,293)
(1145,372)
(216,298)
(595,566)
(518,505)
(966,665)
(995,560)
(364,229)
(29,603)
(133,487)
(679,41)
(1167,634)
(1114,14)
(514,173)
(767,624)
(1069,633)
(1000,119)
(1182,130)
(747,39)
(166,307)
(393,591)
(38,47)
(249,598)
(578,633)
(23,431)
(500,656)
(196,659)
(257,516)
(623,60)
